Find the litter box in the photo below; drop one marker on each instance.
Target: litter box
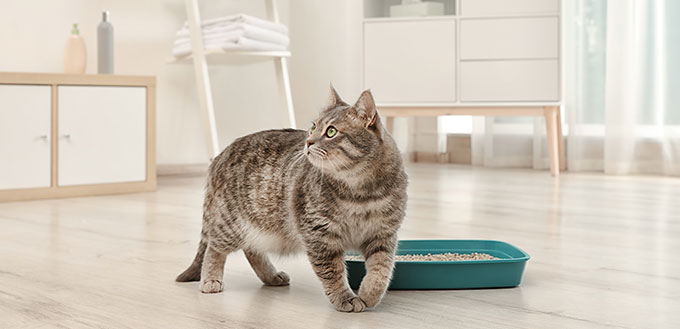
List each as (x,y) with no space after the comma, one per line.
(506,271)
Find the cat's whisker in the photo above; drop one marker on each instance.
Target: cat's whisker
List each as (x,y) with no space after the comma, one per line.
(318,153)
(334,165)
(321,178)
(294,159)
(315,150)
(339,166)
(344,166)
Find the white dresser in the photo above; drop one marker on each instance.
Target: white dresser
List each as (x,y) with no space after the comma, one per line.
(482,57)
(68,135)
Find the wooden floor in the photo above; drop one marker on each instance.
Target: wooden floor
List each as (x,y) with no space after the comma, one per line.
(605,253)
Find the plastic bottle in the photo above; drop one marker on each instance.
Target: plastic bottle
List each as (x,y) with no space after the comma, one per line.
(105,45)
(75,55)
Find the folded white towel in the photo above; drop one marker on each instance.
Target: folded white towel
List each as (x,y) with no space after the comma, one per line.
(242,18)
(239,44)
(235,31)
(217,40)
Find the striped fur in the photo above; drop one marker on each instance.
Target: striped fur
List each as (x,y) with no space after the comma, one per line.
(289,191)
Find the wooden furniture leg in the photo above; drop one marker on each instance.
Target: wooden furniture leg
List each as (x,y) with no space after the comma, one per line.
(560,142)
(389,124)
(553,144)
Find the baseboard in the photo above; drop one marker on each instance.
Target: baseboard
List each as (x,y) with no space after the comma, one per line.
(182,169)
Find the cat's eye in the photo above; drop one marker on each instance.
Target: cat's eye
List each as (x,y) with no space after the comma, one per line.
(331,131)
(313,128)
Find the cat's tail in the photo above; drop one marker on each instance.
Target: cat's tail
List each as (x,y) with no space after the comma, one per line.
(193,273)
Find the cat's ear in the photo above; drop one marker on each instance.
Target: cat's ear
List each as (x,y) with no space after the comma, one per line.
(334,99)
(365,106)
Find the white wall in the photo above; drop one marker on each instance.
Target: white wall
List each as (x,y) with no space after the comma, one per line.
(327,45)
(325,41)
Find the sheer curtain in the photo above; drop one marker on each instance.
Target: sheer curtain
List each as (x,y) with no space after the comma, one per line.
(622,100)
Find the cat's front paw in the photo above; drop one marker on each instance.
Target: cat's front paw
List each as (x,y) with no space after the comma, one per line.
(370,296)
(279,279)
(351,304)
(211,286)
(370,301)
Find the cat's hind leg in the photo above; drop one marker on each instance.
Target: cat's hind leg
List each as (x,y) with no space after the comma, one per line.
(212,271)
(224,237)
(265,270)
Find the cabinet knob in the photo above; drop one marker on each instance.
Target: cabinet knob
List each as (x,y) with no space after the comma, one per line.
(67,136)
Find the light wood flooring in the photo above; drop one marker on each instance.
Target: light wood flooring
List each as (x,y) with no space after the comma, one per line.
(605,254)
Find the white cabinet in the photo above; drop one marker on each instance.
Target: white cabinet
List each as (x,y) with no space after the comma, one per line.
(485,51)
(64,135)
(102,134)
(25,135)
(481,57)
(411,61)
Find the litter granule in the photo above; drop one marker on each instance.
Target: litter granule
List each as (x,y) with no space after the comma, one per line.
(435,257)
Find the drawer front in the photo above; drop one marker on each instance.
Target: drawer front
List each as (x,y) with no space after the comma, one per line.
(410,61)
(501,81)
(508,7)
(509,38)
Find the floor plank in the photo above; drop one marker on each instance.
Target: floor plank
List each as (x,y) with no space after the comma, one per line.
(603,256)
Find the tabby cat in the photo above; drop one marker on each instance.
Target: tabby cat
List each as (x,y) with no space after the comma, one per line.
(340,185)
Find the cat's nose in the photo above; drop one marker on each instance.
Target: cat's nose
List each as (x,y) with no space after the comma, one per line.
(309,143)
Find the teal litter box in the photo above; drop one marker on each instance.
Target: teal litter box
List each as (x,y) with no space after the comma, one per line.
(506,271)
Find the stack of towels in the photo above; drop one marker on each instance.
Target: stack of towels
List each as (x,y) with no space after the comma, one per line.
(236,32)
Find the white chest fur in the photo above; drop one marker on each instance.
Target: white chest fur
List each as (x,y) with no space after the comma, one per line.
(283,244)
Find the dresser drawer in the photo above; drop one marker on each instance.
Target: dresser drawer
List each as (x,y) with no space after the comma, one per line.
(411,61)
(509,38)
(506,81)
(505,7)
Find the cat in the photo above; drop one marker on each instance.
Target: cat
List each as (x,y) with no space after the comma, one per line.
(340,185)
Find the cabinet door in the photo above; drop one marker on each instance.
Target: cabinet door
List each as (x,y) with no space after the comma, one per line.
(411,61)
(25,112)
(102,134)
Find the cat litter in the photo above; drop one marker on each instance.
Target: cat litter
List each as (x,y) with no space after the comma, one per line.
(434,257)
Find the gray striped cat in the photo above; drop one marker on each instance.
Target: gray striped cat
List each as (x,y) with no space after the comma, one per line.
(340,185)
